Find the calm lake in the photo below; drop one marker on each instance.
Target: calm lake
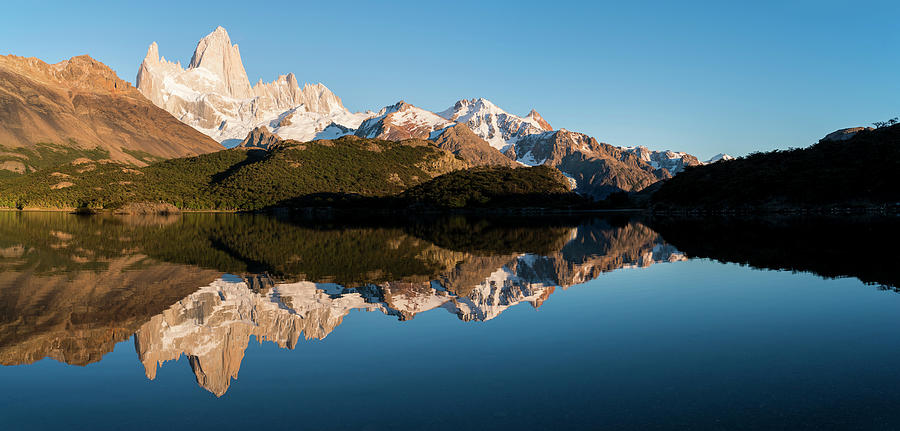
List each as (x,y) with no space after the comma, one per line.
(221,321)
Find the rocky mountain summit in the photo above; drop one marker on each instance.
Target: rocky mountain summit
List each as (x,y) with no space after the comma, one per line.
(80,104)
(214,95)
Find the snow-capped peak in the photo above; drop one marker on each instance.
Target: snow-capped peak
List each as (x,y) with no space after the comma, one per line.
(402,121)
(470,107)
(496,126)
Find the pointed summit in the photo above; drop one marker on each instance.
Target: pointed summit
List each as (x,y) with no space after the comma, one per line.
(216,54)
(533,115)
(152,53)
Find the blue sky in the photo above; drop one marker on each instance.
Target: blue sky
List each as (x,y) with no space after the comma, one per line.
(702,77)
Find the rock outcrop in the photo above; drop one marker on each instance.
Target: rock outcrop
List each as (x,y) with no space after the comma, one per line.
(844,134)
(260,138)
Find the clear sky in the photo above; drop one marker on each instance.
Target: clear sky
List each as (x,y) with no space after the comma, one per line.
(702,77)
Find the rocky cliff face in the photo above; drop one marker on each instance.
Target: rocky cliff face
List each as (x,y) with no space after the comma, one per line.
(81,103)
(214,95)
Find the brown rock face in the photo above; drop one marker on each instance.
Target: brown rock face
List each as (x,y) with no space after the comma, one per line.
(81,102)
(460,140)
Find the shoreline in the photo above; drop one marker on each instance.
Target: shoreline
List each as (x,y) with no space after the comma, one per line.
(326,210)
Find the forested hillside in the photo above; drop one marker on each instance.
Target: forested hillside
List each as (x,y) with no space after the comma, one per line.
(859,171)
(236,179)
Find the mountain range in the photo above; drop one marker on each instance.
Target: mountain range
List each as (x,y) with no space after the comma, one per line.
(214,95)
(78,112)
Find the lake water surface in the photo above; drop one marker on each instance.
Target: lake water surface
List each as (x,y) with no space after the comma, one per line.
(215,321)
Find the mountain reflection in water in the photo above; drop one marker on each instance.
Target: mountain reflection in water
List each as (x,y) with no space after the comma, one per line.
(201,285)
(72,287)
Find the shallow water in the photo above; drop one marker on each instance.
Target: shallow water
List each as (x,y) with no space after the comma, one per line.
(225,321)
